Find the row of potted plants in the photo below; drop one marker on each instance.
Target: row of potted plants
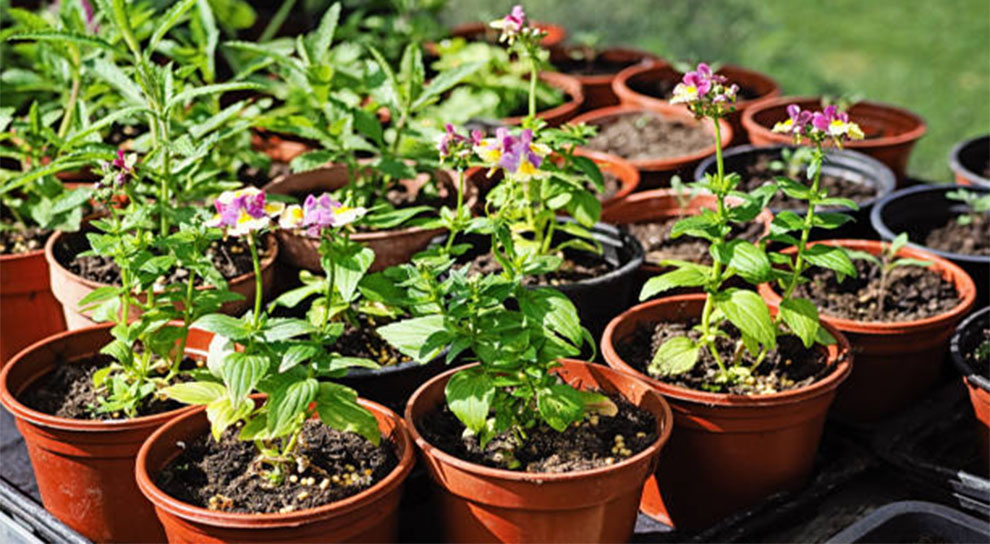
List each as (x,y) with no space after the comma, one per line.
(283,448)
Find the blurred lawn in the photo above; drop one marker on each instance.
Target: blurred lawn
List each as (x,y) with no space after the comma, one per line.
(930,57)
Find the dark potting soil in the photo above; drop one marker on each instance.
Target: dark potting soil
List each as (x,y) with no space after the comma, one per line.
(664,88)
(979,358)
(576,267)
(789,366)
(226,475)
(68,392)
(759,171)
(640,136)
(362,341)
(655,238)
(594,66)
(591,443)
(231,256)
(913,292)
(19,240)
(952,237)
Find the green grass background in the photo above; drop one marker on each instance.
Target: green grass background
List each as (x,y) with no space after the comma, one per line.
(932,57)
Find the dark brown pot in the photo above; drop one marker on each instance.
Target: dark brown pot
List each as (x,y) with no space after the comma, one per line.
(563,113)
(598,91)
(369,516)
(629,86)
(28,310)
(657,172)
(84,467)
(727,452)
(891,132)
(279,147)
(392,247)
(70,288)
(895,362)
(482,504)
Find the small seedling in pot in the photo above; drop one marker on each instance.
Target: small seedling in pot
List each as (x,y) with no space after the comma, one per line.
(887,262)
(793,161)
(977,204)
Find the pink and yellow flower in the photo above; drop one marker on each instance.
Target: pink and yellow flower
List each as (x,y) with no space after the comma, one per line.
(518,156)
(318,213)
(244,211)
(511,25)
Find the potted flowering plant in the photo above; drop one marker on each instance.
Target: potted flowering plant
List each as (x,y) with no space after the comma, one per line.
(311,455)
(748,379)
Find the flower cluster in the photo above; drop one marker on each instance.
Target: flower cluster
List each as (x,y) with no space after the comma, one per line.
(318,213)
(244,211)
(515,25)
(820,125)
(705,93)
(455,147)
(518,156)
(118,171)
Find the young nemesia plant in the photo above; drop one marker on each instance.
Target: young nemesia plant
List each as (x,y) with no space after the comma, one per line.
(524,38)
(887,262)
(709,96)
(976,203)
(281,357)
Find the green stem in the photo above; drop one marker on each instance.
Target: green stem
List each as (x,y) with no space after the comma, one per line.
(460,210)
(70,109)
(329,290)
(186,315)
(276,21)
(166,175)
(533,76)
(806,227)
(257,279)
(716,276)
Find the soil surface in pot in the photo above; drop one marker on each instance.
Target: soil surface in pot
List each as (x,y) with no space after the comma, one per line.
(594,442)
(18,240)
(664,88)
(789,366)
(655,238)
(979,357)
(969,239)
(577,266)
(231,257)
(595,66)
(644,136)
(226,475)
(761,170)
(913,292)
(68,392)
(362,341)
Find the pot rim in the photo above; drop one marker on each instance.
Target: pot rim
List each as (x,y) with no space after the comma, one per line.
(877,221)
(430,450)
(33,254)
(842,366)
(969,373)
(627,241)
(966,291)
(54,263)
(666,163)
(620,85)
(563,82)
(919,130)
(628,175)
(884,183)
(242,520)
(958,167)
(555,33)
(35,417)
(645,58)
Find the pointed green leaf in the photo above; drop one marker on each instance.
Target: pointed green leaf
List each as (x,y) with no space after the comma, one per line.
(675,356)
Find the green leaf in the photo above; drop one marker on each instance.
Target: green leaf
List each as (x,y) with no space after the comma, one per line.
(688,276)
(553,310)
(409,335)
(910,262)
(223,325)
(99,295)
(222,414)
(242,373)
(444,82)
(338,408)
(591,170)
(801,316)
(829,221)
(559,405)
(165,22)
(287,404)
(899,242)
(675,356)
(195,392)
(112,74)
(747,311)
(469,396)
(63,36)
(323,35)
(831,257)
(216,88)
(296,354)
(350,268)
(749,261)
(284,328)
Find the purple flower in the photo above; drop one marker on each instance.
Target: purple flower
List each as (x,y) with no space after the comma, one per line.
(90,18)
(796,122)
(521,156)
(319,212)
(244,210)
(120,169)
(511,25)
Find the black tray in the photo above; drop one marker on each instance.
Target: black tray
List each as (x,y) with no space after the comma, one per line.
(915,521)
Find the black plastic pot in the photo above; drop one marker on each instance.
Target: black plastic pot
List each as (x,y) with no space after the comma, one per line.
(969,335)
(392,385)
(916,210)
(842,163)
(969,159)
(914,521)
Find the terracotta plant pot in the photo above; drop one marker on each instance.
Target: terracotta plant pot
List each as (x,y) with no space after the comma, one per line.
(727,451)
(84,467)
(597,87)
(482,504)
(391,247)
(632,87)
(28,310)
(851,166)
(369,516)
(478,30)
(917,210)
(657,172)
(279,147)
(69,288)
(623,170)
(557,115)
(891,132)
(968,161)
(895,362)
(968,336)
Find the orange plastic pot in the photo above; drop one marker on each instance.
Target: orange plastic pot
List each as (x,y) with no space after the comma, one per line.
(278,147)
(84,467)
(623,170)
(392,247)
(557,115)
(968,336)
(598,91)
(657,172)
(891,132)
(28,310)
(482,504)
(895,362)
(70,288)
(369,516)
(555,34)
(727,452)
(630,87)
